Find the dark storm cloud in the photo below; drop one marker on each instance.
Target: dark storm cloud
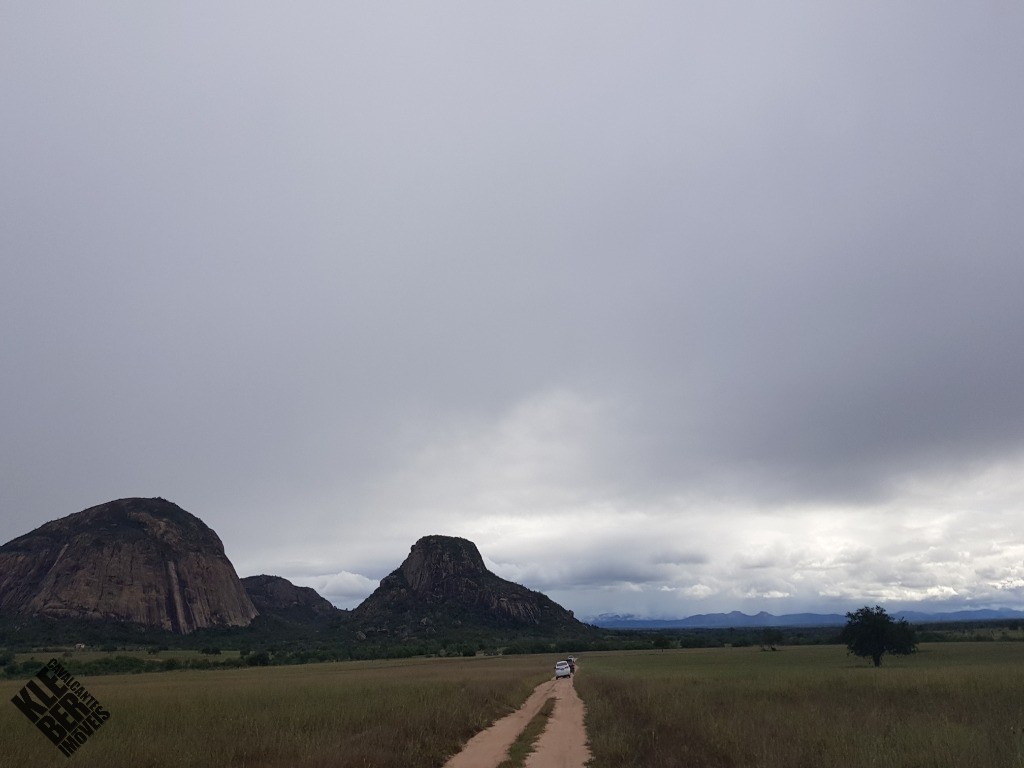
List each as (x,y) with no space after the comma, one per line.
(330,277)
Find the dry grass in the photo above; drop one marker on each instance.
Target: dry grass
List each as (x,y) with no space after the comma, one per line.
(402,713)
(815,707)
(956,704)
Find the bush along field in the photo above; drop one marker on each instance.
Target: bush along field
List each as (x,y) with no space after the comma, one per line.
(950,704)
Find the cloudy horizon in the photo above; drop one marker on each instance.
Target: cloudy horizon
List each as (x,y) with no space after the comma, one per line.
(670,308)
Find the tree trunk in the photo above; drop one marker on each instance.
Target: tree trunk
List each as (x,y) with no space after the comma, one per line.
(877,658)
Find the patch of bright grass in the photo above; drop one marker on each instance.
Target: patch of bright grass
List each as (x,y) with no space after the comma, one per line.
(525,741)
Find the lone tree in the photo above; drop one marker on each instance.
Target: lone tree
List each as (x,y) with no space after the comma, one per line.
(771,638)
(871,632)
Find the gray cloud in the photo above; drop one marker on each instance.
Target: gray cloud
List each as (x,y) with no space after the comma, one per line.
(635,299)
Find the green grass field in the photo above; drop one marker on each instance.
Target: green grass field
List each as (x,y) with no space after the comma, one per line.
(401,713)
(952,704)
(94,655)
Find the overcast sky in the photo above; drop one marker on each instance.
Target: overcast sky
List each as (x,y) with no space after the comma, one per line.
(671,307)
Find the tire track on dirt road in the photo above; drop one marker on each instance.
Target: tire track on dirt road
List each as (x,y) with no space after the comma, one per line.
(563,744)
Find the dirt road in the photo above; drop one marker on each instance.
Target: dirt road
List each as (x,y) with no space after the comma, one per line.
(562,745)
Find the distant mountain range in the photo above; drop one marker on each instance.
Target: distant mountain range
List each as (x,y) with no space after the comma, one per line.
(745,621)
(148,562)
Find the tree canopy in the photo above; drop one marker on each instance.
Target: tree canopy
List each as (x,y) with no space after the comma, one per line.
(871,633)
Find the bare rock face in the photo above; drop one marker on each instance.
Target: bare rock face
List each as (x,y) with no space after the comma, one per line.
(276,596)
(146,561)
(444,583)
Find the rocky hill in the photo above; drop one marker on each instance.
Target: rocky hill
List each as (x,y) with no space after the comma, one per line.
(276,596)
(146,561)
(149,563)
(444,586)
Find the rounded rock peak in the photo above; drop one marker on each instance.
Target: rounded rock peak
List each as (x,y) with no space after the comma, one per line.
(436,558)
